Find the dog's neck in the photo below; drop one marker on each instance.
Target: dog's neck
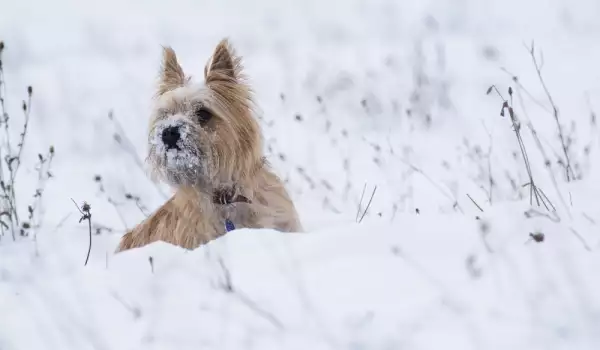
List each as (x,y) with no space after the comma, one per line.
(228,195)
(226,192)
(233,193)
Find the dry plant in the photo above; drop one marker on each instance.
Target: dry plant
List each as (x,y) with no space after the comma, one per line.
(86,214)
(566,162)
(535,192)
(359,216)
(127,146)
(11,155)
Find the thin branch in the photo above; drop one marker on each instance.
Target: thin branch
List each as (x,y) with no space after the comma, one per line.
(538,69)
(540,147)
(124,141)
(368,205)
(580,238)
(360,203)
(472,200)
(86,215)
(437,186)
(534,191)
(489,165)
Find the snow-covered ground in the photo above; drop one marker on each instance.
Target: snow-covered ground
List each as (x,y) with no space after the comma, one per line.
(354,94)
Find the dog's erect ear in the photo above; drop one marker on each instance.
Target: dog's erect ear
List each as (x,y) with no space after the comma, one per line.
(171,74)
(223,75)
(223,65)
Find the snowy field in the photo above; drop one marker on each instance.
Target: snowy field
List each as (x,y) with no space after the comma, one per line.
(381,97)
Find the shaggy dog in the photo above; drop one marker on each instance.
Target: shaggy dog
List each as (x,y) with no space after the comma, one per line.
(205,142)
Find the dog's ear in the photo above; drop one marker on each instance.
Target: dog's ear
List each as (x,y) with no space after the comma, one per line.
(223,65)
(223,75)
(171,74)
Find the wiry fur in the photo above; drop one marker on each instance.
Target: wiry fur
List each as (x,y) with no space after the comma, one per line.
(224,153)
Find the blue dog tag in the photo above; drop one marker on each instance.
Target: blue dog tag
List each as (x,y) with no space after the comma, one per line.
(229,226)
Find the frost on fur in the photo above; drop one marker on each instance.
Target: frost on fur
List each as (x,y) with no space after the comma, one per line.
(181,164)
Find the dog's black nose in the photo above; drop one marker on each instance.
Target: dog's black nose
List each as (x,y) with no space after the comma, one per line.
(170,136)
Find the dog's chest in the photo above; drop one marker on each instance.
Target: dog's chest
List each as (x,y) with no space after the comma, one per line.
(235,216)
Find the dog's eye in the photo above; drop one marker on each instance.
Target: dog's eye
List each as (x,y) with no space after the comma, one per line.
(202,115)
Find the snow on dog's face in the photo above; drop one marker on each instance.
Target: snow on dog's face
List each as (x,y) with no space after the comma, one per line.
(204,135)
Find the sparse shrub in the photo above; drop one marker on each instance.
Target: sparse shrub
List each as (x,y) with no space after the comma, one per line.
(11,155)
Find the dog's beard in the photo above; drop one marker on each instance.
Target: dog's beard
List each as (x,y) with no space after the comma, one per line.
(183,165)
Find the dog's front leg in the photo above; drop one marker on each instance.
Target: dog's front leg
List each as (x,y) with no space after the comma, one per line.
(150,229)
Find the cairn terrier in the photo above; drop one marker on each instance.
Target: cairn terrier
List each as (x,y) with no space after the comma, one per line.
(205,142)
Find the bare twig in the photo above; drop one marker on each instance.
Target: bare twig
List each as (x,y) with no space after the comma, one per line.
(44,174)
(98,179)
(489,165)
(86,215)
(121,138)
(534,213)
(360,202)
(538,142)
(21,144)
(138,203)
(589,218)
(9,213)
(580,238)
(472,200)
(516,80)
(534,191)
(455,204)
(555,113)
(10,159)
(61,222)
(368,205)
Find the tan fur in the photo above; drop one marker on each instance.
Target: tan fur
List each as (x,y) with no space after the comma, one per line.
(230,148)
(171,73)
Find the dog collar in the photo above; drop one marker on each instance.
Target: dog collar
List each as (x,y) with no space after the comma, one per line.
(226,196)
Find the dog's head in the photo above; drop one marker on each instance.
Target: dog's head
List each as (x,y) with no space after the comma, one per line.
(204,134)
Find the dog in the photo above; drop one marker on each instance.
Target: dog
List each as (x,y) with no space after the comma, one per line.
(206,143)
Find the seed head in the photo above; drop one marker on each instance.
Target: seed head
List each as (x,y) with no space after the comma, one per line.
(537,236)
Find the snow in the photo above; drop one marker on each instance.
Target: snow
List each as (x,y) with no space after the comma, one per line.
(374,286)
(353,94)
